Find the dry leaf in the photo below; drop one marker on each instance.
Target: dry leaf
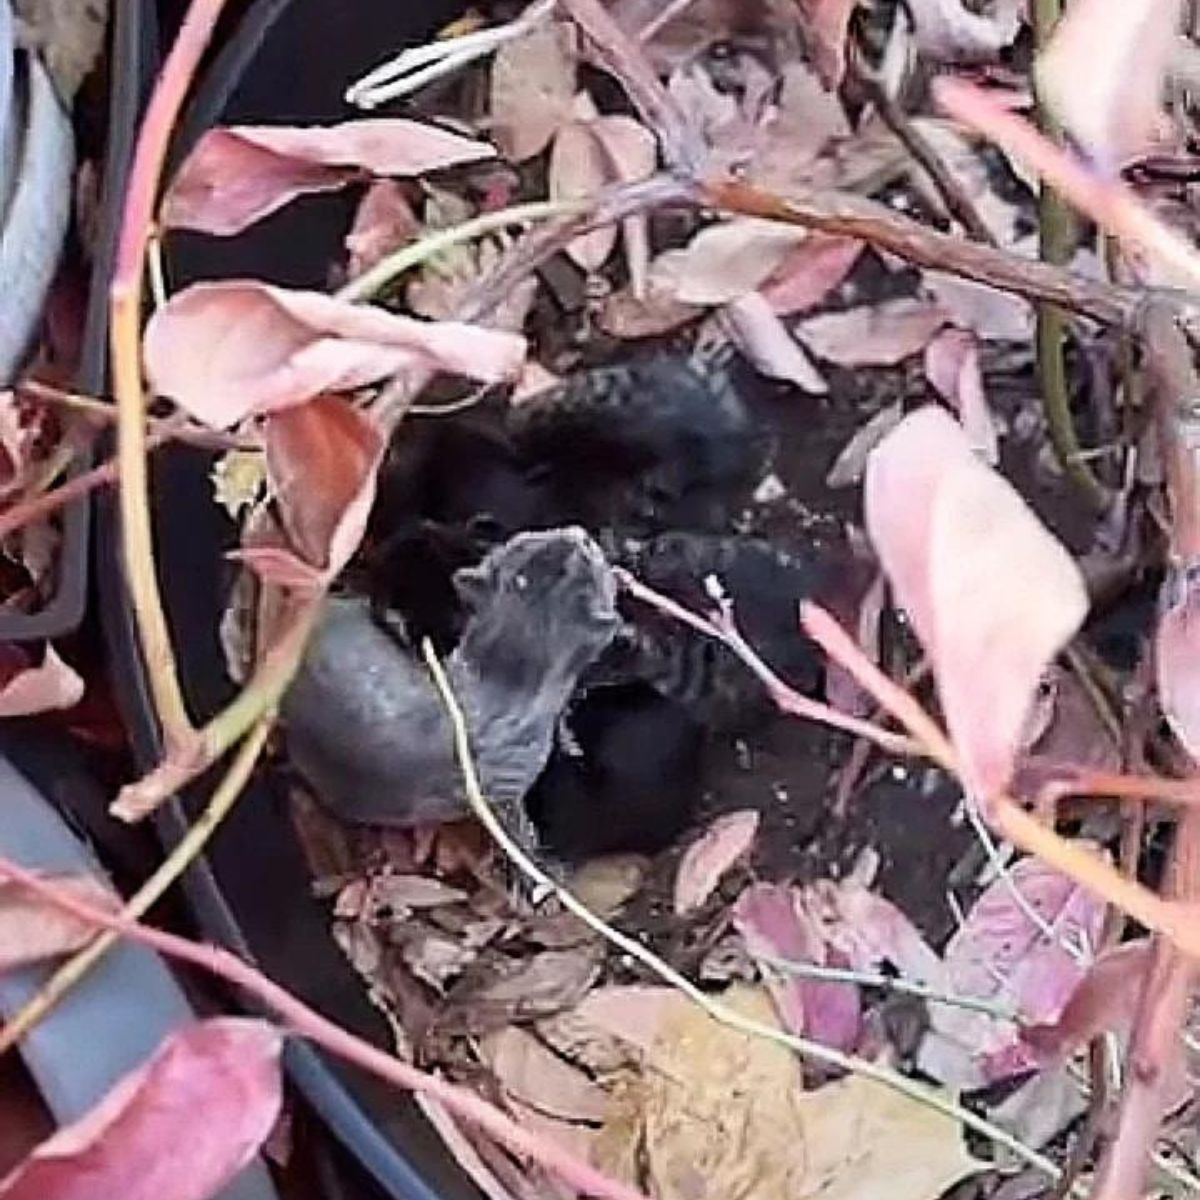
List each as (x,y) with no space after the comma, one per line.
(224,351)
(623,314)
(993,315)
(69,36)
(536,1076)
(383,222)
(724,261)
(31,929)
(533,89)
(321,463)
(810,272)
(955,31)
(143,1140)
(952,367)
(825,23)
(711,855)
(943,523)
(723,1115)
(1104,71)
(877,335)
(238,175)
(28,689)
(579,168)
(763,338)
(851,462)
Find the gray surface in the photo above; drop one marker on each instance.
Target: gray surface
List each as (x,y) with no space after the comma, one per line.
(114,1018)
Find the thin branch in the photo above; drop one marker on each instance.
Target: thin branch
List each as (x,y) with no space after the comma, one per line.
(307,1023)
(168,871)
(814,1051)
(125,300)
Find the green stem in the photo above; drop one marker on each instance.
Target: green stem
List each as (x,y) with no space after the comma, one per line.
(1056,239)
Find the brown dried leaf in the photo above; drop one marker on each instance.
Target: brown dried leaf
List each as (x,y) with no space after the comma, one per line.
(874,335)
(534,1075)
(69,35)
(706,861)
(533,88)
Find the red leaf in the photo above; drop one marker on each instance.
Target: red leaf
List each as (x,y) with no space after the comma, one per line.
(321,461)
(952,367)
(707,859)
(27,689)
(178,1128)
(810,272)
(1177,661)
(771,922)
(31,930)
(991,594)
(224,351)
(236,176)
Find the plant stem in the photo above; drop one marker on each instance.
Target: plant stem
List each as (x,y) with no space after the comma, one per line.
(366,285)
(1056,238)
(170,869)
(125,300)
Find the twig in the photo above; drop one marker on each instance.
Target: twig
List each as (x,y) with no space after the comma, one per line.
(889,983)
(1056,235)
(125,300)
(307,1023)
(170,869)
(958,204)
(625,58)
(718,1011)
(852,216)
(261,694)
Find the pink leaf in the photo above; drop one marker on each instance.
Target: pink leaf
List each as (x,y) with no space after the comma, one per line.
(178,1128)
(238,175)
(763,338)
(952,367)
(1001,953)
(825,23)
(225,351)
(1103,74)
(31,689)
(706,860)
(321,460)
(1105,1001)
(31,930)
(383,222)
(875,335)
(1177,661)
(773,925)
(810,272)
(991,594)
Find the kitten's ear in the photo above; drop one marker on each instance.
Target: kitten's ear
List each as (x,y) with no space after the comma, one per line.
(472,584)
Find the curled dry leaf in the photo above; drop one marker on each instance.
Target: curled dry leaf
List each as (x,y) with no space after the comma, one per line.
(31,930)
(773,924)
(322,458)
(534,1075)
(26,689)
(532,89)
(940,520)
(1103,74)
(143,1141)
(68,35)
(623,314)
(874,335)
(1177,659)
(763,338)
(383,221)
(724,261)
(851,462)
(710,856)
(810,271)
(956,31)
(225,351)
(1001,953)
(952,367)
(238,175)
